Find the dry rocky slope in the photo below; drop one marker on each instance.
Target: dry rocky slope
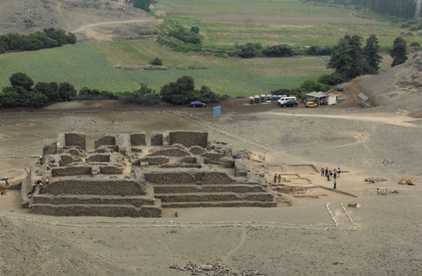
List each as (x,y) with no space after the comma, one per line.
(398,89)
(109,18)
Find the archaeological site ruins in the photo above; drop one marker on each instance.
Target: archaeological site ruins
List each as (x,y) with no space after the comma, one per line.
(138,175)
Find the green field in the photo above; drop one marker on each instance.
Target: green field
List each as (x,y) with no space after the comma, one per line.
(91,64)
(294,22)
(223,23)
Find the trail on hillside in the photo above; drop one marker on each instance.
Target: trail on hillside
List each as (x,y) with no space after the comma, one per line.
(86,27)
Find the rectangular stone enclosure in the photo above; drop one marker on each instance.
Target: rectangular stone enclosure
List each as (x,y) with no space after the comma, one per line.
(188,138)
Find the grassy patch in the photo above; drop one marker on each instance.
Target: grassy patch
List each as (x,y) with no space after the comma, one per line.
(224,23)
(91,64)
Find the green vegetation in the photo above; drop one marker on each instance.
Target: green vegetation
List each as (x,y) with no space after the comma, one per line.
(350,60)
(372,54)
(399,51)
(23,93)
(156,61)
(48,38)
(183,91)
(91,65)
(142,4)
(282,27)
(297,23)
(400,8)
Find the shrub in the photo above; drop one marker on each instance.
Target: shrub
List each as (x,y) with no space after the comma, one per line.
(21,80)
(144,96)
(156,61)
(248,50)
(206,95)
(142,4)
(331,79)
(318,51)
(67,91)
(309,86)
(50,90)
(94,94)
(195,29)
(279,51)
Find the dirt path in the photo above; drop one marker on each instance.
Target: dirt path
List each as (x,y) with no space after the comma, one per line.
(87,27)
(396,120)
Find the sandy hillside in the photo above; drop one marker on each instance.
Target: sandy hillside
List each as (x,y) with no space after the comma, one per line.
(398,89)
(99,19)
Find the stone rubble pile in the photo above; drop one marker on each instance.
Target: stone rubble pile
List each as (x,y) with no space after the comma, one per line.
(216,269)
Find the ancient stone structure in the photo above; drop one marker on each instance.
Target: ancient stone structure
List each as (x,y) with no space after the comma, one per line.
(138,175)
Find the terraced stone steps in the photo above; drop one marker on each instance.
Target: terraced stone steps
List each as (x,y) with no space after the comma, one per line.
(209,188)
(109,210)
(205,197)
(137,201)
(235,203)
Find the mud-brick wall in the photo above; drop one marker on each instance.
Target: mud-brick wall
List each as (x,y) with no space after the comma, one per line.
(189,139)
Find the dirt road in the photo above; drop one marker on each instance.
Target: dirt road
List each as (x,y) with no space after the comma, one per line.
(396,120)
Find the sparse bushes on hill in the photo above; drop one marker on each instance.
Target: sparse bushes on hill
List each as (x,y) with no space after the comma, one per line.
(180,37)
(48,38)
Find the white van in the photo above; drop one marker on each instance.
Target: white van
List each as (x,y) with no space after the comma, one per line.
(288,101)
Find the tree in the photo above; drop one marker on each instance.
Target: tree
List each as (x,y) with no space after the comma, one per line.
(371,52)
(21,80)
(50,90)
(206,95)
(66,91)
(347,57)
(183,92)
(399,51)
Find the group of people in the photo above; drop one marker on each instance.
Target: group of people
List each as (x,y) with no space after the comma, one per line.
(277,178)
(331,174)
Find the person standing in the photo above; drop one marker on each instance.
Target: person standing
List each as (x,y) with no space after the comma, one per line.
(335,179)
(328,175)
(322,171)
(275,178)
(279,179)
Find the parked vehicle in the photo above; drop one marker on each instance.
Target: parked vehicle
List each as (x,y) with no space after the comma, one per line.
(197,104)
(310,103)
(277,97)
(288,102)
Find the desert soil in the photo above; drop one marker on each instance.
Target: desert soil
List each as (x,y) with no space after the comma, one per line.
(313,237)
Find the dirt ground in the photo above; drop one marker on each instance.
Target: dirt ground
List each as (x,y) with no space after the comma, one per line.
(322,236)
